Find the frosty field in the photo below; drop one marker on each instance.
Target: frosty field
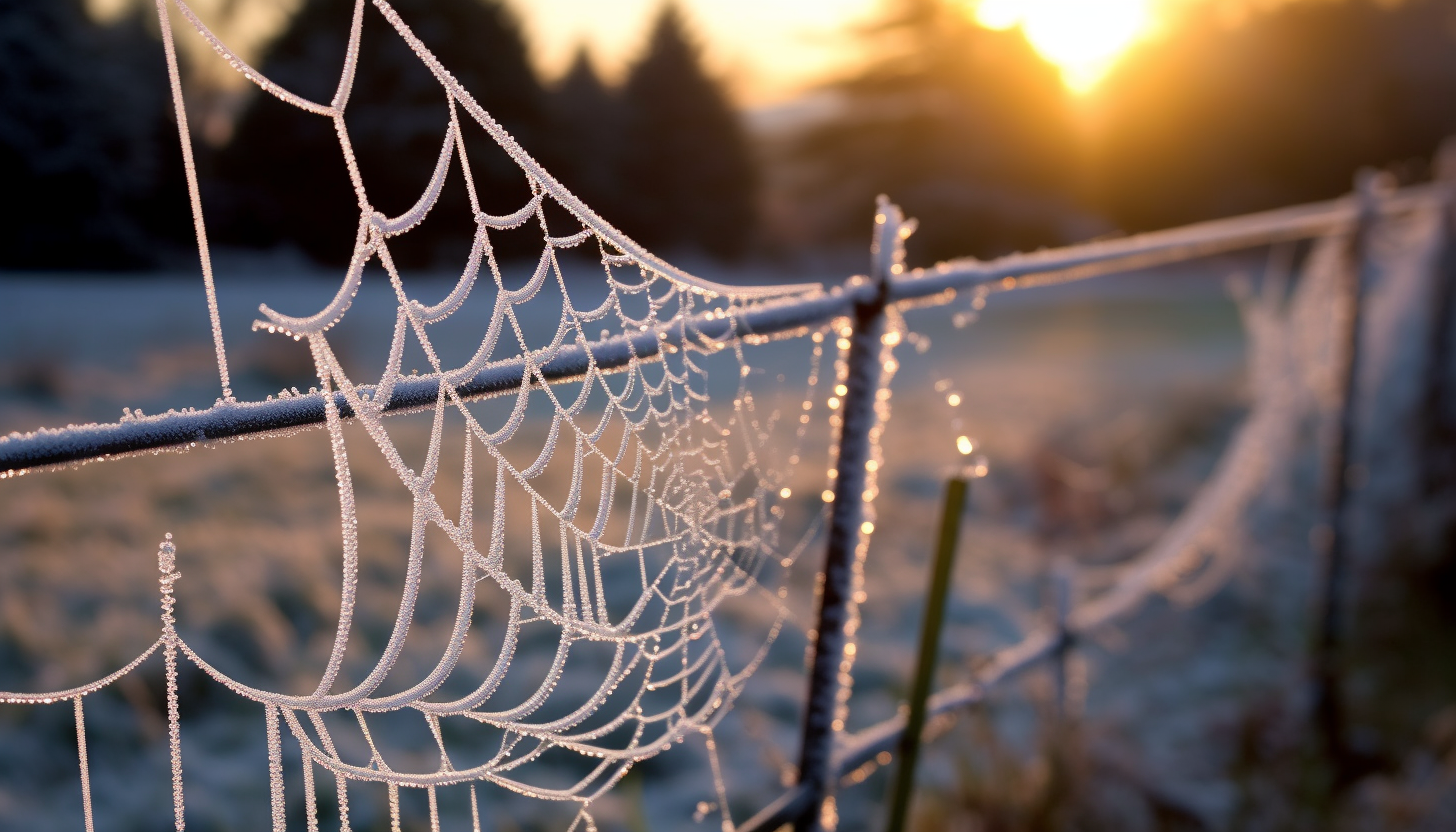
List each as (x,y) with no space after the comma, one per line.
(1133,385)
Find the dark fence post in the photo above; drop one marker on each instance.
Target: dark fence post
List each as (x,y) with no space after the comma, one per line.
(1328,538)
(1439,423)
(1062,577)
(829,674)
(930,627)
(1060,749)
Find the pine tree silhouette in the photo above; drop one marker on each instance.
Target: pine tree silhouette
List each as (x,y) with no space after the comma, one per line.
(967,128)
(1212,120)
(587,120)
(87,150)
(286,176)
(687,161)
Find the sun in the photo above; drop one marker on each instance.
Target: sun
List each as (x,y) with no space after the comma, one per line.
(1084,38)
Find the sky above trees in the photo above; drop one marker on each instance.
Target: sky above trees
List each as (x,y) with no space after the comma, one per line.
(91,160)
(768,51)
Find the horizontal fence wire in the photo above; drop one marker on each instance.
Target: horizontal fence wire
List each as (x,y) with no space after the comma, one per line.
(180,430)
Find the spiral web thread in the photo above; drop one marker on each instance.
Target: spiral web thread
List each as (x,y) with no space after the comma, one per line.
(676,494)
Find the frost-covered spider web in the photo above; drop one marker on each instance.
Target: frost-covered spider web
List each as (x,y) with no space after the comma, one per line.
(622,432)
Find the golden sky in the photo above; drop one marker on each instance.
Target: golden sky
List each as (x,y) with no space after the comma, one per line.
(771,50)
(768,51)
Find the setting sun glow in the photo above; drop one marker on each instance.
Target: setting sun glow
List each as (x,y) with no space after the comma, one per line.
(1083,38)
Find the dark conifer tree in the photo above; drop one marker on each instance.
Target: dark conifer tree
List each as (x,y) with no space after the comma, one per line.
(1216,119)
(87,147)
(587,121)
(968,129)
(286,176)
(687,164)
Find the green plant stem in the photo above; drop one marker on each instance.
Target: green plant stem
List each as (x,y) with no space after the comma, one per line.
(930,627)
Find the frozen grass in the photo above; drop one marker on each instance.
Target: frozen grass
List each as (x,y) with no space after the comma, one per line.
(1101,408)
(1109,382)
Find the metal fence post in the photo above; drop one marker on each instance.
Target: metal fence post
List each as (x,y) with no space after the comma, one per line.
(1328,538)
(829,674)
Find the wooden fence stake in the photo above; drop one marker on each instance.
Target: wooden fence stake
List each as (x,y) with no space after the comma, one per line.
(1328,538)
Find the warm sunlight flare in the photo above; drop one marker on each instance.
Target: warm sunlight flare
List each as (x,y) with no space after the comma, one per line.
(1084,38)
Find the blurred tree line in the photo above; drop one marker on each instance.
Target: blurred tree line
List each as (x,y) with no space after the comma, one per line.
(664,157)
(88,178)
(92,173)
(1217,119)
(969,129)
(972,132)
